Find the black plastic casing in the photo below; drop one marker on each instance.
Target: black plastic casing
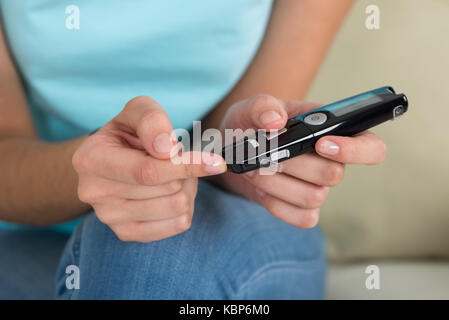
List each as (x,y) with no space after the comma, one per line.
(300,137)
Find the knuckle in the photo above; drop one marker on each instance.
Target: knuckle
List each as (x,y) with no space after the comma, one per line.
(83,195)
(148,238)
(261,100)
(188,171)
(181,202)
(274,208)
(193,188)
(151,117)
(154,115)
(316,197)
(137,101)
(124,235)
(274,212)
(147,175)
(108,217)
(183,223)
(87,193)
(310,219)
(102,216)
(81,161)
(142,99)
(348,151)
(174,186)
(121,231)
(334,174)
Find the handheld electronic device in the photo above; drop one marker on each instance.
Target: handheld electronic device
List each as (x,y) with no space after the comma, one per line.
(343,118)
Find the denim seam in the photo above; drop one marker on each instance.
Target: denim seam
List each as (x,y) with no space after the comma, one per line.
(224,276)
(77,245)
(263,271)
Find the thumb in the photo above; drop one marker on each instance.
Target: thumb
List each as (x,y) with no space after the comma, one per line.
(260,112)
(266,112)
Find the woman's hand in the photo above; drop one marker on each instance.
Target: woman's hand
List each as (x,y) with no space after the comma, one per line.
(126,174)
(297,192)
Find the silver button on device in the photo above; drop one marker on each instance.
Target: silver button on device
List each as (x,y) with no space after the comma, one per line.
(280,155)
(315,119)
(398,112)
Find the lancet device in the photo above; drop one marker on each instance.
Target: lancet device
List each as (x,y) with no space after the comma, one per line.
(346,117)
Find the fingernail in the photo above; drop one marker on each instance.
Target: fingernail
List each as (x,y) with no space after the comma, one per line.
(328,147)
(214,164)
(163,143)
(260,193)
(269,116)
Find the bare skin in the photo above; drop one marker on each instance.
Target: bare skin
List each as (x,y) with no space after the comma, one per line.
(296,193)
(38,183)
(150,198)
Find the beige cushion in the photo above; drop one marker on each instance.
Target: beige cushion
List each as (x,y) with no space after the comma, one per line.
(399,208)
(397,280)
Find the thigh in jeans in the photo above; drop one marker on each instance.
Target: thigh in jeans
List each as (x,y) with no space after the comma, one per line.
(234,250)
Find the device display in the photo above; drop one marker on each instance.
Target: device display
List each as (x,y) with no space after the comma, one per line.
(342,118)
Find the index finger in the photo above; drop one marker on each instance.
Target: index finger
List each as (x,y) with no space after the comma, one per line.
(148,120)
(134,166)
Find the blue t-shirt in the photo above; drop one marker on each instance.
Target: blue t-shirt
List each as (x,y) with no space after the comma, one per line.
(82,60)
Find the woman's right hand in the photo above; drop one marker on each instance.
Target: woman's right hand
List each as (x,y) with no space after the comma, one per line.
(126,174)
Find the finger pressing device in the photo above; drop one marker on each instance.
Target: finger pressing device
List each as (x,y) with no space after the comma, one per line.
(346,117)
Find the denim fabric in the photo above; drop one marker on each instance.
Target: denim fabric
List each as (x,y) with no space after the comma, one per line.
(234,250)
(28,262)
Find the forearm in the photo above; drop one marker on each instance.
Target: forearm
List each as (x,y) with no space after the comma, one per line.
(38,183)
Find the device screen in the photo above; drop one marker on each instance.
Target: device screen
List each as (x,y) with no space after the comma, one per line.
(345,106)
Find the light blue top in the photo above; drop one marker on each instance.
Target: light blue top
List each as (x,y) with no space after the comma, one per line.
(185,54)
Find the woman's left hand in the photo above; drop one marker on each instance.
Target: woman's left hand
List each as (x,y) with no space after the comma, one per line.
(296,193)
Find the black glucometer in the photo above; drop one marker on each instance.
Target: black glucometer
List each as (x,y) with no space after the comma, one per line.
(342,118)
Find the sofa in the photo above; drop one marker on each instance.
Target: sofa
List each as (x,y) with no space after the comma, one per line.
(394,216)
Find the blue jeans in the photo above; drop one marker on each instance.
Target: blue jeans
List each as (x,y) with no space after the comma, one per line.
(28,263)
(234,250)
